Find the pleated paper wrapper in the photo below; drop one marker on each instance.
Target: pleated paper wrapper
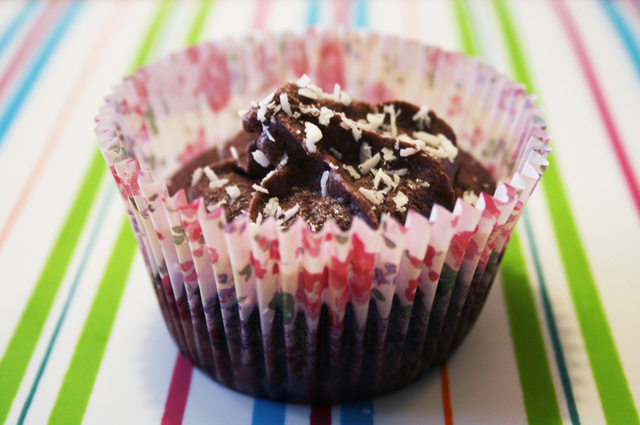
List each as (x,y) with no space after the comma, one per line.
(336,315)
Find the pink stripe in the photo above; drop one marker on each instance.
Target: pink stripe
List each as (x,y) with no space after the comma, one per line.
(341,11)
(320,415)
(37,32)
(260,18)
(61,122)
(635,4)
(176,402)
(596,91)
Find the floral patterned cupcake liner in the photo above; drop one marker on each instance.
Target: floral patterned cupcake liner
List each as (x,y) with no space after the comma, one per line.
(334,315)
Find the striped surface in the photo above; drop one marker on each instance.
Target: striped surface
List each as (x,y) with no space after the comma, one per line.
(84,342)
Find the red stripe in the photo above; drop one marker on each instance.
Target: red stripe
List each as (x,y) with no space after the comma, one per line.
(29,43)
(320,414)
(61,122)
(446,395)
(178,392)
(614,137)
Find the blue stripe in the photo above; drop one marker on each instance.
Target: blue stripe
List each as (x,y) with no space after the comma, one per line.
(268,412)
(628,39)
(27,10)
(551,324)
(360,13)
(98,225)
(313,16)
(31,76)
(360,413)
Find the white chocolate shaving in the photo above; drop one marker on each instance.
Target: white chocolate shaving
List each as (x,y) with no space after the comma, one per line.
(260,158)
(303,81)
(271,207)
(312,110)
(234,152)
(387,154)
(400,200)
(391,110)
(260,188)
(407,152)
(313,136)
(196,176)
(345,99)
(365,152)
(284,101)
(377,178)
(308,93)
(470,197)
(216,205)
(369,163)
(266,131)
(374,196)
(422,116)
(323,184)
(288,214)
(233,192)
(352,171)
(325,116)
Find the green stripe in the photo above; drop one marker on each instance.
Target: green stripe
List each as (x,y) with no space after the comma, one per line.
(198,24)
(147,44)
(465,28)
(540,399)
(613,388)
(74,394)
(26,334)
(73,397)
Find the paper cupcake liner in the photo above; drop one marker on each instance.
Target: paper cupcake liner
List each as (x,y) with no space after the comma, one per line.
(334,315)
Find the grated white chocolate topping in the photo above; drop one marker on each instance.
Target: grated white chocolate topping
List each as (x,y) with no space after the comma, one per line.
(260,158)
(196,176)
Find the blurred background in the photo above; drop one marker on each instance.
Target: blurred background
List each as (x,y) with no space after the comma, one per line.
(82,340)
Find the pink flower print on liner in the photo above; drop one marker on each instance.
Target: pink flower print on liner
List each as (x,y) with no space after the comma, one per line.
(378,92)
(363,263)
(455,106)
(214,80)
(310,288)
(457,248)
(330,69)
(194,149)
(189,272)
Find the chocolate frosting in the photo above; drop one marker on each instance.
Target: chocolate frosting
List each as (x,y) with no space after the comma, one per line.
(317,155)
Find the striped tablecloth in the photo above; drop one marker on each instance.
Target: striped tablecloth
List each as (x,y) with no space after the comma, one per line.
(80,341)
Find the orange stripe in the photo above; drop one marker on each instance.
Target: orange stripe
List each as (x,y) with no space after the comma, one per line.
(61,122)
(446,395)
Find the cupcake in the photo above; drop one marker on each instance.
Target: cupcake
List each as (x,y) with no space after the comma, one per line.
(319,248)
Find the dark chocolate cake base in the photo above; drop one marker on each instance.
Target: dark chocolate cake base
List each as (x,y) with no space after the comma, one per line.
(385,355)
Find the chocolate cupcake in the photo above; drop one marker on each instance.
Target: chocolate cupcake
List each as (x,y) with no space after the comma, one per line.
(321,249)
